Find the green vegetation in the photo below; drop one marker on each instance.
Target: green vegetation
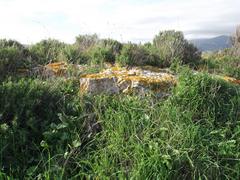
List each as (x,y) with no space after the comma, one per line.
(167,47)
(224,65)
(47,51)
(172,45)
(134,55)
(225,62)
(50,130)
(13,56)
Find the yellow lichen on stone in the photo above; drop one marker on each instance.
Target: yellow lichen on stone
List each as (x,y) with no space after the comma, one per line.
(134,78)
(59,68)
(232,80)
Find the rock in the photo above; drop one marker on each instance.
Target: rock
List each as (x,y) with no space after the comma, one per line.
(121,80)
(99,85)
(42,71)
(232,80)
(58,68)
(49,70)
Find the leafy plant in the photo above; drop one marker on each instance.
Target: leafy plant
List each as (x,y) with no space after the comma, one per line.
(113,45)
(71,54)
(47,51)
(99,55)
(172,45)
(13,57)
(137,55)
(86,42)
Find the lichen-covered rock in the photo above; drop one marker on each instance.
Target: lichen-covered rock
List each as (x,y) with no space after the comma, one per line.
(232,80)
(58,68)
(136,80)
(99,85)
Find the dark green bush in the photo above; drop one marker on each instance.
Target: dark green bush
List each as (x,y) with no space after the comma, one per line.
(172,45)
(86,42)
(13,56)
(113,45)
(47,51)
(137,55)
(99,55)
(71,54)
(11,43)
(27,109)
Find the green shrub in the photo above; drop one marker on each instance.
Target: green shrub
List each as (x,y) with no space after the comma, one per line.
(71,54)
(113,45)
(208,98)
(47,51)
(13,56)
(99,55)
(137,55)
(223,65)
(27,109)
(231,67)
(43,125)
(11,43)
(172,45)
(86,42)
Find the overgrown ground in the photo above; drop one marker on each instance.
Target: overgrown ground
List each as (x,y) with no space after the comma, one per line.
(53,132)
(50,130)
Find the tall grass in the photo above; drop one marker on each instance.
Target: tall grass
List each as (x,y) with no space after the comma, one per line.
(226,65)
(194,134)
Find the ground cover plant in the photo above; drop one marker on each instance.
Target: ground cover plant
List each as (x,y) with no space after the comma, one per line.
(54,132)
(49,129)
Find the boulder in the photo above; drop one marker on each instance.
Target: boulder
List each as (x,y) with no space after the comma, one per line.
(99,85)
(122,80)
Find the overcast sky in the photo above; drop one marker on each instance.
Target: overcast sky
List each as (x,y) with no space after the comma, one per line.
(29,21)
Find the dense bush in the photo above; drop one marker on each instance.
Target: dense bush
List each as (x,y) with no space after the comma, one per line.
(137,55)
(71,54)
(11,43)
(13,57)
(34,120)
(46,51)
(168,47)
(172,45)
(86,42)
(99,55)
(113,45)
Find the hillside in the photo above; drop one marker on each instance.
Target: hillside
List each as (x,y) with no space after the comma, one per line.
(212,44)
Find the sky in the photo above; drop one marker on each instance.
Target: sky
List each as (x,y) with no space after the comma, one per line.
(30,21)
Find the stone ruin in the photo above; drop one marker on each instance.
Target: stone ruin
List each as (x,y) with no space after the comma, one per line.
(115,80)
(122,80)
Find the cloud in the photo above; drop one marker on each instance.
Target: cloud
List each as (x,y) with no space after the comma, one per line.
(126,20)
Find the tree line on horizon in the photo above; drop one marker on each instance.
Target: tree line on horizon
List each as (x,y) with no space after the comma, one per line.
(167,48)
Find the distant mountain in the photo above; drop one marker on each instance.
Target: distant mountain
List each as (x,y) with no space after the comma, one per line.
(212,44)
